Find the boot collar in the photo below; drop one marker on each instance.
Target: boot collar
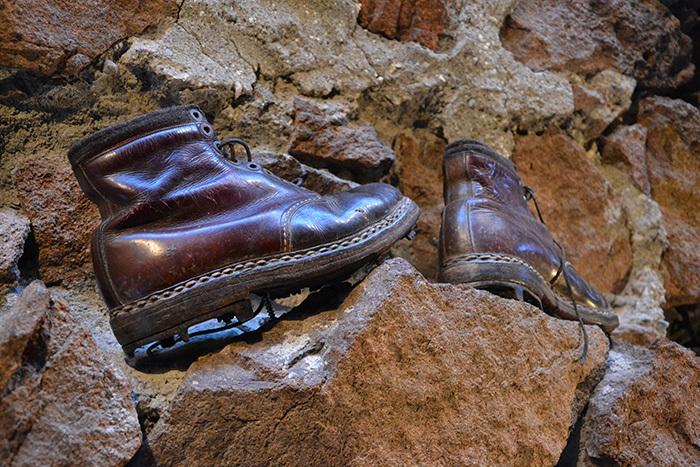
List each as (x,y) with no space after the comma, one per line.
(111,136)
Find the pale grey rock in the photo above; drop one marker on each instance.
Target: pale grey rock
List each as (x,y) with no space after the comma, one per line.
(481,90)
(14,230)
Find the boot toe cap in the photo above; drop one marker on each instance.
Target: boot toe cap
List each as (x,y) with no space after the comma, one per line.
(330,218)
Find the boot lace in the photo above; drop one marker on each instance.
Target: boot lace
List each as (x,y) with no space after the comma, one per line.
(226,147)
(529,195)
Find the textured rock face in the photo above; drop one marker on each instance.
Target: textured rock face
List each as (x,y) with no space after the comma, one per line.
(420,21)
(45,37)
(62,218)
(579,207)
(646,410)
(419,157)
(641,39)
(14,229)
(403,372)
(324,137)
(61,402)
(672,149)
(625,148)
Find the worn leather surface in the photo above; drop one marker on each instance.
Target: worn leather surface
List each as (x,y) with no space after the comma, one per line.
(173,208)
(486,211)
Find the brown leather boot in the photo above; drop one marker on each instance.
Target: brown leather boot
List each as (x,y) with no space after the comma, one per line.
(188,231)
(490,239)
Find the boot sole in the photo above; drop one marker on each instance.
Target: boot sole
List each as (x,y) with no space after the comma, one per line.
(511,277)
(165,313)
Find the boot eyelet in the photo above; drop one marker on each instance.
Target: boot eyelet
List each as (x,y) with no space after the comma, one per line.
(253,166)
(207,130)
(196,114)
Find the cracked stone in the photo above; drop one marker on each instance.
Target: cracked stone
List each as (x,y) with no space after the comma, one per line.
(625,148)
(62,402)
(317,180)
(379,381)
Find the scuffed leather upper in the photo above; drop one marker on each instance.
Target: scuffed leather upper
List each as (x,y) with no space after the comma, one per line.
(486,212)
(173,207)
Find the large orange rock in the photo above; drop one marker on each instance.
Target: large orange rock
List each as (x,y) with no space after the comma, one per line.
(62,218)
(404,372)
(45,37)
(673,164)
(577,202)
(419,21)
(639,39)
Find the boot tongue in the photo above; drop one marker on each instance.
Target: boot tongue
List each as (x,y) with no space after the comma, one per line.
(111,136)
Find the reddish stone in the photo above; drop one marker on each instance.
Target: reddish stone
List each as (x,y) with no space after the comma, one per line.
(646,410)
(625,148)
(324,137)
(44,36)
(62,218)
(639,39)
(673,160)
(419,167)
(419,21)
(574,197)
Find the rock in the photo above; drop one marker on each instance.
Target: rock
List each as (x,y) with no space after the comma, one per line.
(318,180)
(579,206)
(14,230)
(625,148)
(642,39)
(62,218)
(673,161)
(646,410)
(324,137)
(279,50)
(599,101)
(43,37)
(421,21)
(419,156)
(62,403)
(403,372)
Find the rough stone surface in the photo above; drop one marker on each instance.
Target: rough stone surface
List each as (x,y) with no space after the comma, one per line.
(599,101)
(625,148)
(62,218)
(287,167)
(420,21)
(579,206)
(260,55)
(324,137)
(403,372)
(639,39)
(673,161)
(646,410)
(43,37)
(61,402)
(419,156)
(14,230)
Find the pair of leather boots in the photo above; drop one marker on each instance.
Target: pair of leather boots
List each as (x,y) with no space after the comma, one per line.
(189,232)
